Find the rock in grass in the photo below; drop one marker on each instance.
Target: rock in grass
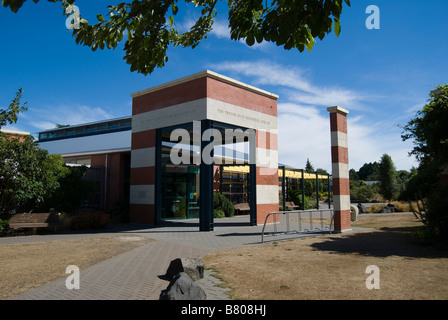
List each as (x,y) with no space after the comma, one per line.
(194,267)
(182,287)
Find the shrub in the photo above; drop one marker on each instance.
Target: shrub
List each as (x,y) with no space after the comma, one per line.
(402,206)
(218,213)
(221,202)
(4,226)
(296,197)
(73,191)
(65,220)
(376,208)
(90,220)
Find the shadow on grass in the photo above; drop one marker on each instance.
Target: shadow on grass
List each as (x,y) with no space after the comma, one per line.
(385,242)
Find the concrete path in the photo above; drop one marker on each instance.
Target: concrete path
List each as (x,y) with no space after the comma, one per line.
(136,274)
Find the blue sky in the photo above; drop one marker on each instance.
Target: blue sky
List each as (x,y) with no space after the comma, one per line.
(381,76)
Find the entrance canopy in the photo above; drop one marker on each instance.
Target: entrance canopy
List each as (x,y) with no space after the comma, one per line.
(200,122)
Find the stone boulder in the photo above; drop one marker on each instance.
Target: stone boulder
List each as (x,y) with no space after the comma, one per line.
(362,208)
(390,208)
(183,287)
(194,267)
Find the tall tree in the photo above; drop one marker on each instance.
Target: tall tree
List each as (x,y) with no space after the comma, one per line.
(429,133)
(150,27)
(388,178)
(428,130)
(309,167)
(27,175)
(369,171)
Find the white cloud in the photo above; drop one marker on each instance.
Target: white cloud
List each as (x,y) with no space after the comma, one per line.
(303,133)
(47,117)
(296,79)
(220,30)
(303,121)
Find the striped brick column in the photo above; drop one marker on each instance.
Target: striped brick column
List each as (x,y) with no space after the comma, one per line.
(266,173)
(142,190)
(339,159)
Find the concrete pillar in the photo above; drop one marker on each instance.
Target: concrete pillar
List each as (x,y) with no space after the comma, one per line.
(339,160)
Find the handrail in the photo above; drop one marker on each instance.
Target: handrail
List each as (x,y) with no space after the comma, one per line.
(299,212)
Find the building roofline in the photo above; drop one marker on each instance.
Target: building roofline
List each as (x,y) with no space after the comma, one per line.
(202,74)
(87,124)
(94,153)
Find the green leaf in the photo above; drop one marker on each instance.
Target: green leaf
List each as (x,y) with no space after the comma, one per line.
(337,27)
(250,40)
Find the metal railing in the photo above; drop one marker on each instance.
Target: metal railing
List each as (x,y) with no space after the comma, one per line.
(306,222)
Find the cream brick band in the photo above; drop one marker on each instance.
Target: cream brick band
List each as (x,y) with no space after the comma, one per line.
(143,157)
(267,194)
(340,170)
(201,109)
(339,139)
(142,194)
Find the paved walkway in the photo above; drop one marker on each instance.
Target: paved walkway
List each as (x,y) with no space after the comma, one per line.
(136,274)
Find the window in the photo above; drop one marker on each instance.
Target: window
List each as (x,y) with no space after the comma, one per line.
(126,124)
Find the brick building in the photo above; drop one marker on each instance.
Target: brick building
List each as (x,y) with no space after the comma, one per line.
(166,157)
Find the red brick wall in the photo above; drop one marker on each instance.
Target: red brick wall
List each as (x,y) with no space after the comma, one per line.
(222,91)
(115,175)
(183,92)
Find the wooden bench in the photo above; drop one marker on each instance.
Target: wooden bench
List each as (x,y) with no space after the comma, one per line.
(242,208)
(291,205)
(34,220)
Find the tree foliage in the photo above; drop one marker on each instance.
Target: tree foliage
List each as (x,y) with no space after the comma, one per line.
(428,130)
(150,28)
(309,167)
(10,114)
(27,175)
(369,171)
(73,190)
(388,178)
(222,203)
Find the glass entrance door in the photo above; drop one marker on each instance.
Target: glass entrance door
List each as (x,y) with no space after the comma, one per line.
(180,191)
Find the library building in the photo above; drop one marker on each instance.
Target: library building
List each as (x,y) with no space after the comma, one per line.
(191,138)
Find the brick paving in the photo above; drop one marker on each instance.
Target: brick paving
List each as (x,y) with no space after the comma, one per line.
(138,274)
